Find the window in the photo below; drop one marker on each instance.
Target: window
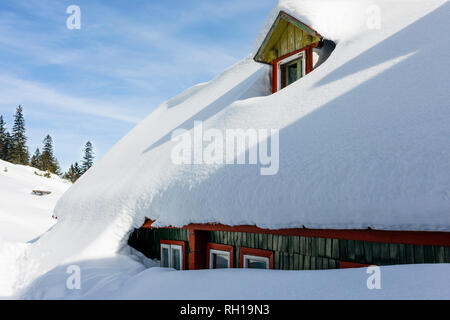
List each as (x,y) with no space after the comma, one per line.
(219,259)
(255,262)
(219,256)
(172,254)
(256,258)
(291,69)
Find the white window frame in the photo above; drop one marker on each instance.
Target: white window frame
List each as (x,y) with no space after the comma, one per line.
(221,252)
(172,247)
(296,56)
(257,258)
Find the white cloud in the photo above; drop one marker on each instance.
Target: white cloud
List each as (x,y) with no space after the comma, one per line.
(18,91)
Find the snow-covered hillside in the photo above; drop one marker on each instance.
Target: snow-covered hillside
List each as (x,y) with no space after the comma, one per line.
(23,215)
(364,142)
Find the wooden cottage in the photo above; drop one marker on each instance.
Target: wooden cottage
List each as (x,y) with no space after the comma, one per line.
(211,246)
(290,47)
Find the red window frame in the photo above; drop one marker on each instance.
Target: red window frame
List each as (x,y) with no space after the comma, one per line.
(308,68)
(177,243)
(255,252)
(220,247)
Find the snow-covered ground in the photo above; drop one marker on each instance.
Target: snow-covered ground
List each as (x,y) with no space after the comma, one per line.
(124,278)
(23,215)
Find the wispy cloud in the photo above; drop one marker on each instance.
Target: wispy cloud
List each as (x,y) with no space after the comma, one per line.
(127,58)
(15,91)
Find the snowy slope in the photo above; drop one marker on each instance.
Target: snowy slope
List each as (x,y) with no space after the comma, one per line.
(24,216)
(124,278)
(364,142)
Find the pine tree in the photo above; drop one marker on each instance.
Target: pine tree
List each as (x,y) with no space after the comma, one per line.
(19,152)
(3,142)
(48,161)
(77,170)
(74,172)
(36,160)
(7,152)
(88,158)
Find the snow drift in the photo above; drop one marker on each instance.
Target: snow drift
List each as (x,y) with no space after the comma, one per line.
(364,142)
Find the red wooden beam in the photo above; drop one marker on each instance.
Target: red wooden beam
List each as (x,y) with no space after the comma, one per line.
(402,237)
(197,247)
(274,77)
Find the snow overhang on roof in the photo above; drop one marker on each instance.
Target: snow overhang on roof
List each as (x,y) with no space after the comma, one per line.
(273,34)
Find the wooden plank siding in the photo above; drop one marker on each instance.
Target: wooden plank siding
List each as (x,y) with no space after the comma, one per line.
(148,241)
(299,252)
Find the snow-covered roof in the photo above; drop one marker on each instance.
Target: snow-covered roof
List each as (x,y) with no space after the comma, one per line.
(363,140)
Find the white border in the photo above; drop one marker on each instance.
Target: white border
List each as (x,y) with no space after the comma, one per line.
(257,258)
(212,251)
(165,246)
(172,248)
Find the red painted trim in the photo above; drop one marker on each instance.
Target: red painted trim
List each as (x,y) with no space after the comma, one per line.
(403,237)
(221,247)
(177,243)
(148,224)
(274,77)
(309,59)
(352,265)
(289,54)
(197,248)
(309,63)
(255,252)
(314,45)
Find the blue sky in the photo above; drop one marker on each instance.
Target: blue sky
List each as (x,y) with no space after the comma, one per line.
(98,82)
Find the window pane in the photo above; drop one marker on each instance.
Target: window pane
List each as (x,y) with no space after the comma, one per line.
(176,262)
(291,73)
(165,258)
(256,264)
(220,261)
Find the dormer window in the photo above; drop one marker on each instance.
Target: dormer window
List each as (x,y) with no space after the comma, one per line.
(291,69)
(289,48)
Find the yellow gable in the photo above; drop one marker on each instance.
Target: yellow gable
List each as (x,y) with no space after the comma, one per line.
(286,35)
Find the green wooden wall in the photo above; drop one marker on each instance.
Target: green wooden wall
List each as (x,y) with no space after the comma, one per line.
(300,253)
(147,241)
(290,253)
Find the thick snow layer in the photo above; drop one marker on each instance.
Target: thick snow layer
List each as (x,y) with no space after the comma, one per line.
(364,139)
(337,20)
(364,142)
(124,278)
